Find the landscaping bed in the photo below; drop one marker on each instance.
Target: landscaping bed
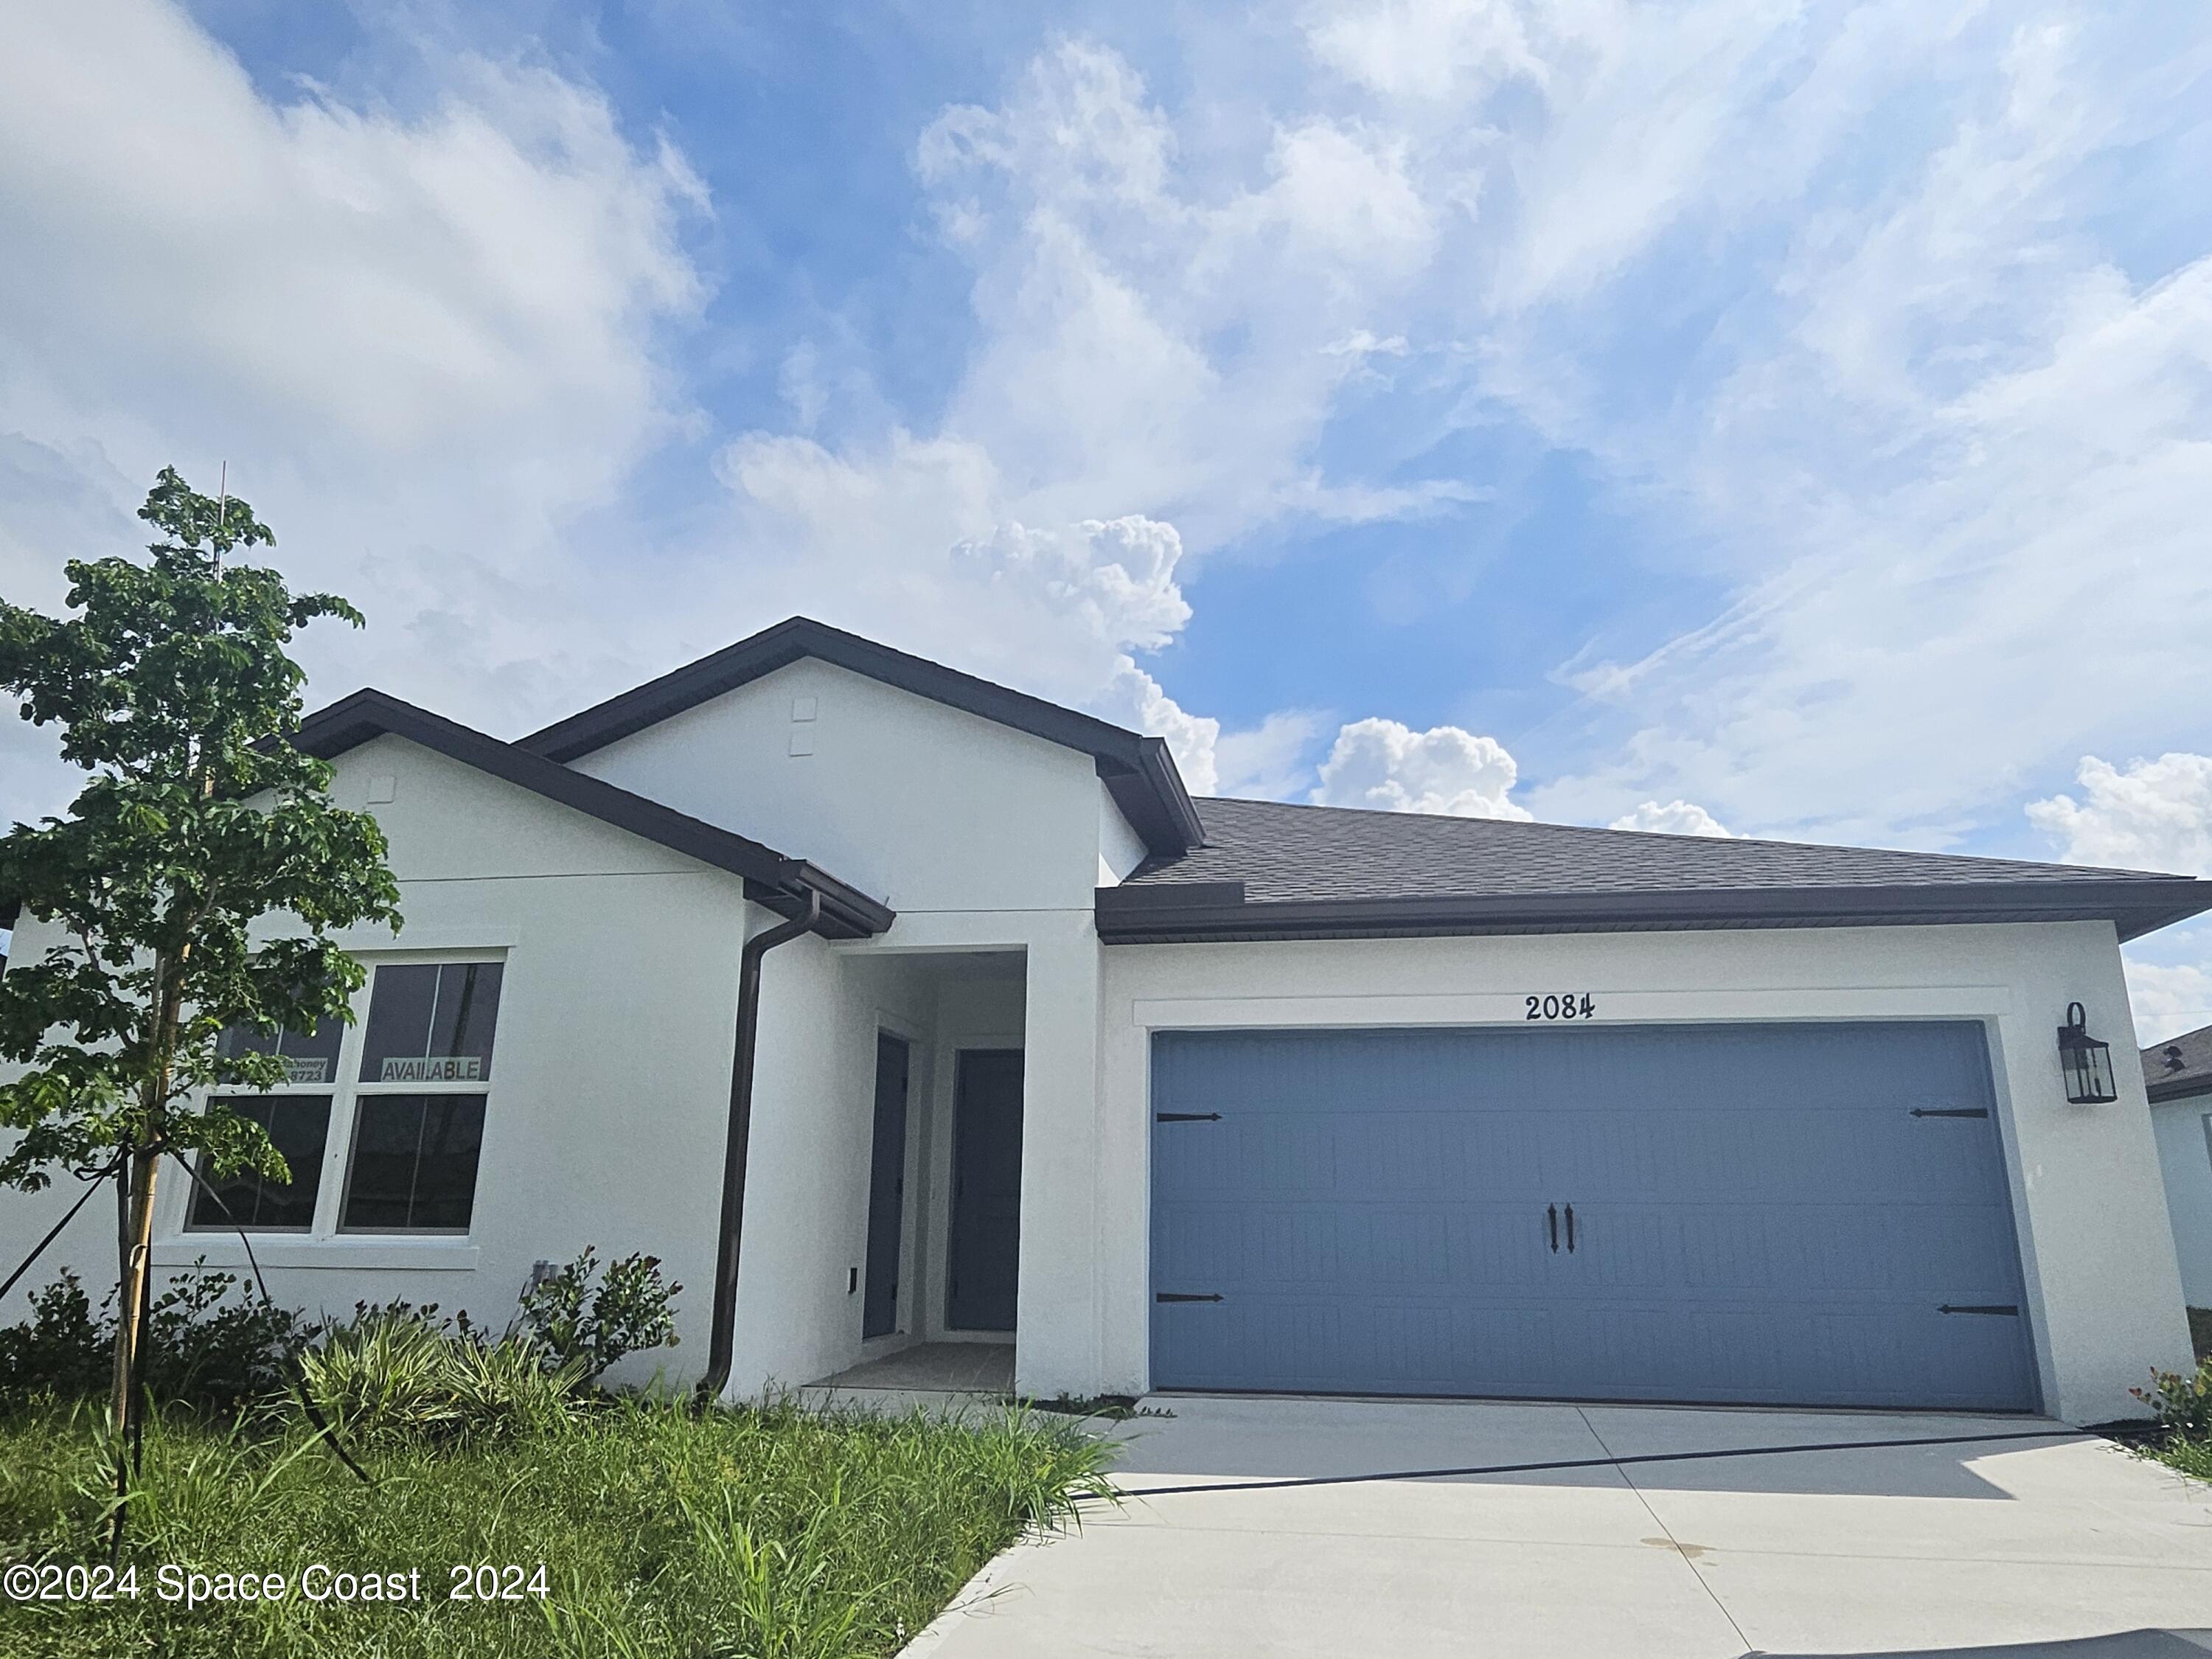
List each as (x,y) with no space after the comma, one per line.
(638,1529)
(2182,1406)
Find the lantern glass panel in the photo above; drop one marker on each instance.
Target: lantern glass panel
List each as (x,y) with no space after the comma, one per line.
(2100,1072)
(2087,1064)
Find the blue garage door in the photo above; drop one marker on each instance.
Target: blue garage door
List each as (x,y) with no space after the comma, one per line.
(1803,1214)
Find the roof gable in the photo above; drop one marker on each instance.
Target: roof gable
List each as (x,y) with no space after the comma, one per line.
(772,878)
(1138,770)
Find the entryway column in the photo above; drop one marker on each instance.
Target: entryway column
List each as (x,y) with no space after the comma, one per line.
(1056,1337)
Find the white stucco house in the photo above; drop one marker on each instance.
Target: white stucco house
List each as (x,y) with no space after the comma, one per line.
(2178,1080)
(920,1011)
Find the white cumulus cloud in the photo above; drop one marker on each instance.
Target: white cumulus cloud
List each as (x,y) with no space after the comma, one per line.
(1387,765)
(2148,815)
(1134,698)
(1676,817)
(1118,578)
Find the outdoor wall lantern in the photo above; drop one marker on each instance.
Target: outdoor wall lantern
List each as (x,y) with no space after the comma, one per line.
(2087,1063)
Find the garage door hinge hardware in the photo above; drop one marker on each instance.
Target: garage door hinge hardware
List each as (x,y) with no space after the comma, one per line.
(1980,1308)
(1185,1117)
(1950,1111)
(1180,1296)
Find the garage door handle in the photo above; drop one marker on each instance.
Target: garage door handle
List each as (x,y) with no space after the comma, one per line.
(1552,1220)
(1950,1111)
(1184,1295)
(1570,1229)
(1185,1117)
(1980,1308)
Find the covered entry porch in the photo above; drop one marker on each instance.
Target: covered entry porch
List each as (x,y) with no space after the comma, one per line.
(941,1261)
(883,1228)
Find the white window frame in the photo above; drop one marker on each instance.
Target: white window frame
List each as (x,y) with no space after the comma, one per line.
(346,1091)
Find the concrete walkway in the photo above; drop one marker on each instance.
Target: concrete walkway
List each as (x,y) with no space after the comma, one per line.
(952,1378)
(2010,1545)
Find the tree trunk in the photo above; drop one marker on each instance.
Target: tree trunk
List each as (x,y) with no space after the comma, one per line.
(125,1405)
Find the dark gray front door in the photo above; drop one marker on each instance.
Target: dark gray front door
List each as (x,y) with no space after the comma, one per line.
(983,1265)
(886,1188)
(1787,1214)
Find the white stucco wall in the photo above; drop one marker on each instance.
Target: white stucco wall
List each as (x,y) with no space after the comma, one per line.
(2104,1291)
(2184,1155)
(610,1080)
(1120,850)
(925,807)
(802,1267)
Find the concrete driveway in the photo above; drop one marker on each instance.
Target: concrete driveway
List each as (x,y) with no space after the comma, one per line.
(2010,1545)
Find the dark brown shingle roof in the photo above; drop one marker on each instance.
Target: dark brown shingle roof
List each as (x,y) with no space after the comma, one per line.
(2179,1068)
(1267,869)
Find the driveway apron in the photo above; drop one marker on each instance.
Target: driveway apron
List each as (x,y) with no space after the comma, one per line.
(1264,1526)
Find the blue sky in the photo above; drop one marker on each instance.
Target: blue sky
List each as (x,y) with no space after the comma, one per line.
(1786,419)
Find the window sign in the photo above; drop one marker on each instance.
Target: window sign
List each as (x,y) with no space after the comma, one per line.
(431,1022)
(309,1057)
(299,1125)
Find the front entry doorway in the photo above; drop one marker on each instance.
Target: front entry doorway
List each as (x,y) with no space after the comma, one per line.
(983,1265)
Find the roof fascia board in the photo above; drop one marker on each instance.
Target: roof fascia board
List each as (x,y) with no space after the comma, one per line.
(1151,797)
(1217,910)
(1168,822)
(2180,1089)
(770,876)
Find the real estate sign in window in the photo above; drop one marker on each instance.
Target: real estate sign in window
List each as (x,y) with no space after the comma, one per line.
(410,1116)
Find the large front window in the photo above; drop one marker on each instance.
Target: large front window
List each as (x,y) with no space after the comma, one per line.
(401,1092)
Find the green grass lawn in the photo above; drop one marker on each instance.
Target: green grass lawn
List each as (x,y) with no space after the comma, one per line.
(772,1534)
(2190,1456)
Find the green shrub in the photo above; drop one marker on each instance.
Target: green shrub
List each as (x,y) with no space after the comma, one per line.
(629,1311)
(393,1368)
(208,1350)
(401,1371)
(2182,1404)
(204,1349)
(61,1350)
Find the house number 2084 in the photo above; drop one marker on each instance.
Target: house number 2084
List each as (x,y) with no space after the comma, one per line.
(1569,1005)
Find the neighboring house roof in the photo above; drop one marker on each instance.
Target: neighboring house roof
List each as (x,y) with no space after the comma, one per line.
(1138,770)
(1268,870)
(2180,1067)
(773,879)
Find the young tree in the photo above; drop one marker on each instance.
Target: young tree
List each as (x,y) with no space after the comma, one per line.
(171,688)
